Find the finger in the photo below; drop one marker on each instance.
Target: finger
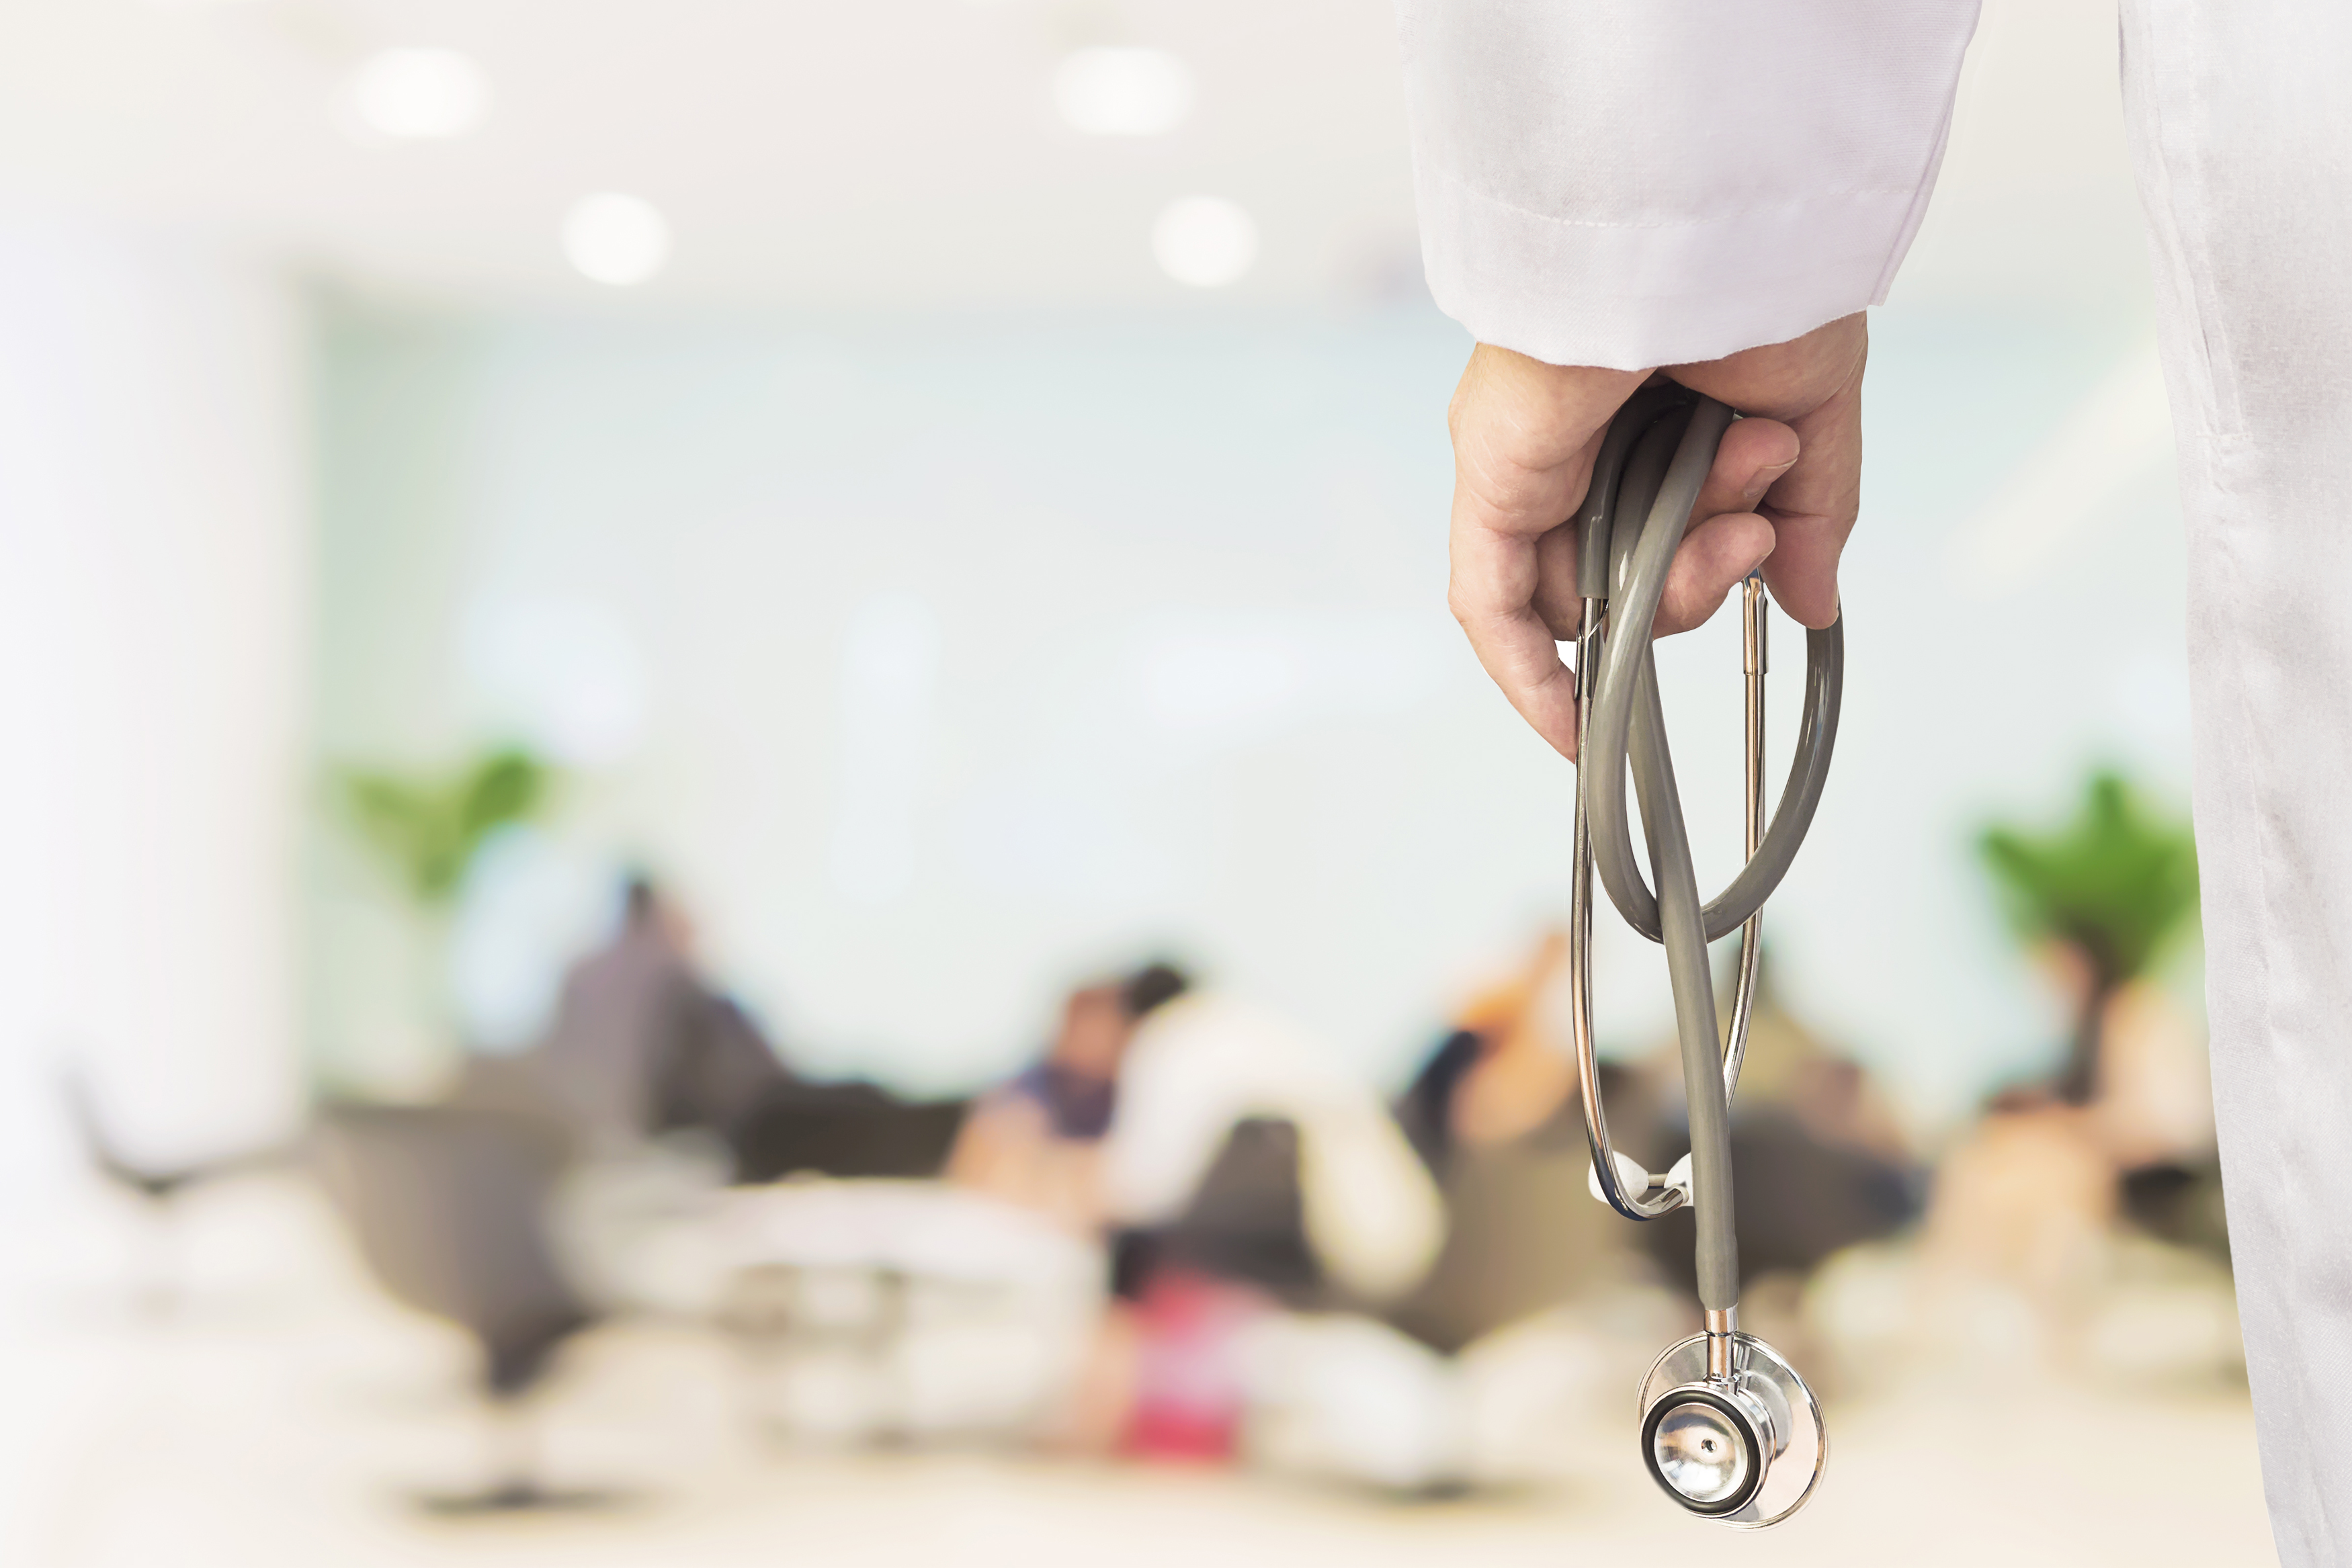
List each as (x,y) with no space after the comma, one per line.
(1813,384)
(1525,436)
(1714,557)
(1557,601)
(1812,509)
(1492,595)
(1755,453)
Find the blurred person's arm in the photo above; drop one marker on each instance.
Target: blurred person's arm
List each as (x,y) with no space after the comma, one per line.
(1609,188)
(1008,1150)
(999,1146)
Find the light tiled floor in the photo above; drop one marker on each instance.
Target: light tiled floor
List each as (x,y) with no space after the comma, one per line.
(279,1422)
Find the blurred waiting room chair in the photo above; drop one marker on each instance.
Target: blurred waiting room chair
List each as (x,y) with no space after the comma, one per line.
(157,1184)
(448,1205)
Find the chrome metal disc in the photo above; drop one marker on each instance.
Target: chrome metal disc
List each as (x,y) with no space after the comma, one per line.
(1704,1441)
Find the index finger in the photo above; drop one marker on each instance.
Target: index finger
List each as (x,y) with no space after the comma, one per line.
(1492,594)
(1524,435)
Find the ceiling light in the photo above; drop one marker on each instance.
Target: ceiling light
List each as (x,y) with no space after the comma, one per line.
(1205,241)
(615,238)
(1123,91)
(419,94)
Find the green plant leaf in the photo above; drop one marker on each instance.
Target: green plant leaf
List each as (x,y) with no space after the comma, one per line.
(2118,880)
(429,829)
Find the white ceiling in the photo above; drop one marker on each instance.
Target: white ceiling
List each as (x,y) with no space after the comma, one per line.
(897,152)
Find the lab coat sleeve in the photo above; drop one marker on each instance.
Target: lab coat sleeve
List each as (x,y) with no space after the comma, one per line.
(1643,182)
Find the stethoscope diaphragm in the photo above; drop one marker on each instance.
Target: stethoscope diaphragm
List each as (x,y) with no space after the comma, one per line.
(1745,1448)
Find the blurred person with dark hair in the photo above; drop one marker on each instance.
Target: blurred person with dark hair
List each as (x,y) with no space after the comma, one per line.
(1037,1141)
(642,1044)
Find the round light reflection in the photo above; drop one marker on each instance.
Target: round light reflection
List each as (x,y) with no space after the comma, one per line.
(416,95)
(1107,91)
(616,238)
(1204,241)
(1701,1454)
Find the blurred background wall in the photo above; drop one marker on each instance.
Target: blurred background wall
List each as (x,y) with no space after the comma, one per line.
(948,594)
(942,657)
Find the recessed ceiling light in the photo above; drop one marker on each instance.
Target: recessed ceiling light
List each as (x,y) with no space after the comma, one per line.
(615,238)
(419,94)
(1123,91)
(1205,241)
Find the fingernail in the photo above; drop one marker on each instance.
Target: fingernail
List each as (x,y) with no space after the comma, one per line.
(1763,482)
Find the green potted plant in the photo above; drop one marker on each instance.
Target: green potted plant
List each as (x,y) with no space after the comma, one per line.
(2113,886)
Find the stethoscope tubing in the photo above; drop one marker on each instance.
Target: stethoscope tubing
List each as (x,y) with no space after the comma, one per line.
(1646,480)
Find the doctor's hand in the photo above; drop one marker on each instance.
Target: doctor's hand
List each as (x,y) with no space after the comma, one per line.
(1782,494)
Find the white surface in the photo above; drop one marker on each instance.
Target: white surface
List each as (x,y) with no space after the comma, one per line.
(1632,184)
(425,94)
(2244,145)
(926,1229)
(616,238)
(152,609)
(1204,241)
(1123,90)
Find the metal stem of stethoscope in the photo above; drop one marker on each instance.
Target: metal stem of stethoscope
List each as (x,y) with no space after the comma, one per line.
(1730,1430)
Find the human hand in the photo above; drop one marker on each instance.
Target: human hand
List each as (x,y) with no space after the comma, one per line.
(1783,495)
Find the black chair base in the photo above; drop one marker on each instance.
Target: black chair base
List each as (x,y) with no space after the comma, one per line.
(519,1497)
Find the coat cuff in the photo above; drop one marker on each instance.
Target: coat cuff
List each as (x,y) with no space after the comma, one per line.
(1636,296)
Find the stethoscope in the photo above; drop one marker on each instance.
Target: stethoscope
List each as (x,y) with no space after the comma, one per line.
(1728,1429)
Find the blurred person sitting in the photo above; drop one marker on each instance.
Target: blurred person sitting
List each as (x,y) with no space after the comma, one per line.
(1036,1141)
(1499,1073)
(2028,1197)
(1495,1115)
(642,1044)
(1212,1090)
(1245,1171)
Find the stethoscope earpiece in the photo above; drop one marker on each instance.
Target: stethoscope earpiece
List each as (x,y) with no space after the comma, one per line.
(1729,1431)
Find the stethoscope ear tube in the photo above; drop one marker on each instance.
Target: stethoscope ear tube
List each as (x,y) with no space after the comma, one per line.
(1645,551)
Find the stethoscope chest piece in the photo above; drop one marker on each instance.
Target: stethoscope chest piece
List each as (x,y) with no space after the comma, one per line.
(1744,1447)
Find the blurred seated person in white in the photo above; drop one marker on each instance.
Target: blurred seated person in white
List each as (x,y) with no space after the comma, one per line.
(1245,1167)
(1231,1123)
(1037,1141)
(642,1044)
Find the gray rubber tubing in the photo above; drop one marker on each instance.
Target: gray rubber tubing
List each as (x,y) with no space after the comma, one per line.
(1646,480)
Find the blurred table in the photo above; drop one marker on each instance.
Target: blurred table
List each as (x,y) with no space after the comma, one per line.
(901,1309)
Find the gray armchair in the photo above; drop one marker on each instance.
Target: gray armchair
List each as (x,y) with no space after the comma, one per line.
(448,1207)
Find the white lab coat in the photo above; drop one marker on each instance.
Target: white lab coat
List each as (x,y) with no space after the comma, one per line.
(1637,183)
